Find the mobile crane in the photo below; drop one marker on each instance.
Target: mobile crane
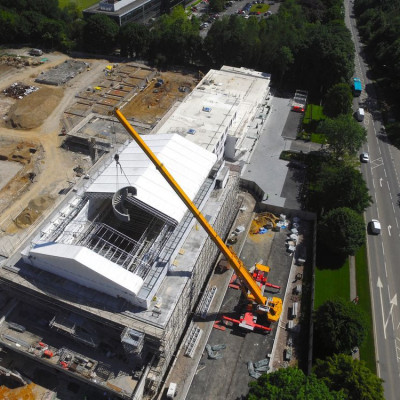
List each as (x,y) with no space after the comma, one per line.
(271,306)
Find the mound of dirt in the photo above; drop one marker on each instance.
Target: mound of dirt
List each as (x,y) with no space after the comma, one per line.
(30,214)
(40,203)
(31,111)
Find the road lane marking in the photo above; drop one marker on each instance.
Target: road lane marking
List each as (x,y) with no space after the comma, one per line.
(389,228)
(393,303)
(380,286)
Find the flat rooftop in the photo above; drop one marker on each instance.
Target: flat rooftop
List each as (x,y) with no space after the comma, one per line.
(223,102)
(120,11)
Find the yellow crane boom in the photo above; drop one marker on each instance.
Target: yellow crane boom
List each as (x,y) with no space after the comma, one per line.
(228,252)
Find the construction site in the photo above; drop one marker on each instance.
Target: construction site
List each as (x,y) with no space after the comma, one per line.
(103,261)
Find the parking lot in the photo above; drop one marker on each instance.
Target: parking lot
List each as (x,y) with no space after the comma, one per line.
(232,7)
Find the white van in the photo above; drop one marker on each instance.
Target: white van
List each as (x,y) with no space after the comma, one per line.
(360,115)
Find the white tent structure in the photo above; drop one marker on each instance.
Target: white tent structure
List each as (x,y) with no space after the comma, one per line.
(187,162)
(87,268)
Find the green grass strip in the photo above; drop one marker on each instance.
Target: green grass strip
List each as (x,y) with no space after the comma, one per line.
(261,8)
(81,4)
(313,112)
(332,283)
(318,138)
(367,350)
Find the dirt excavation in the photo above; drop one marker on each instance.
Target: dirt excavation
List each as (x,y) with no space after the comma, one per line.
(32,110)
(160,95)
(31,213)
(37,171)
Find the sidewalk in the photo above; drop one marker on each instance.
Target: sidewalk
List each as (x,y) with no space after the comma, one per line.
(353,289)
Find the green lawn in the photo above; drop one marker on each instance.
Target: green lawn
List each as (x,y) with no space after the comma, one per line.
(331,283)
(367,350)
(262,8)
(318,138)
(313,113)
(82,4)
(312,116)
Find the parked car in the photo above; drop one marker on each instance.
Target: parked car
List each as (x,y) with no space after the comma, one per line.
(36,52)
(364,157)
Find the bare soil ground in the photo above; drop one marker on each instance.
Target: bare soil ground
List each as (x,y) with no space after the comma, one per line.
(31,111)
(52,165)
(151,104)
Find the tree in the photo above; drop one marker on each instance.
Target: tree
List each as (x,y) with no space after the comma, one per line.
(175,38)
(338,100)
(234,41)
(291,383)
(134,40)
(100,34)
(9,23)
(344,134)
(343,180)
(339,326)
(216,5)
(326,57)
(357,381)
(342,230)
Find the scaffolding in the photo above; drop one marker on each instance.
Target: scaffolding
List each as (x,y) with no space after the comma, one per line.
(72,327)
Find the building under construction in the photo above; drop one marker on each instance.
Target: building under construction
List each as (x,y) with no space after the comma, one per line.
(105,287)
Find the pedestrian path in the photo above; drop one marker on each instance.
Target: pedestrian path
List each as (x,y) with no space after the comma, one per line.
(353,289)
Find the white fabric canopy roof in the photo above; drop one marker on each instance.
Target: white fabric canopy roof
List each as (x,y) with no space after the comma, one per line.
(84,266)
(187,162)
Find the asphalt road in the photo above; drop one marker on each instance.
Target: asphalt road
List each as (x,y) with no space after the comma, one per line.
(382,177)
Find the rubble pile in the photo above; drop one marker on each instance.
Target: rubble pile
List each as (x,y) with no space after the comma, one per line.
(19,90)
(19,62)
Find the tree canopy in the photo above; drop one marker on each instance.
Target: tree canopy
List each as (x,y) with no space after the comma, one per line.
(289,384)
(379,25)
(100,34)
(134,40)
(175,38)
(339,326)
(338,100)
(299,45)
(342,230)
(344,134)
(342,372)
(336,185)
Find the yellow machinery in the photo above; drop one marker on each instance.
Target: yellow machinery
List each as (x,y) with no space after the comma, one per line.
(263,220)
(230,255)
